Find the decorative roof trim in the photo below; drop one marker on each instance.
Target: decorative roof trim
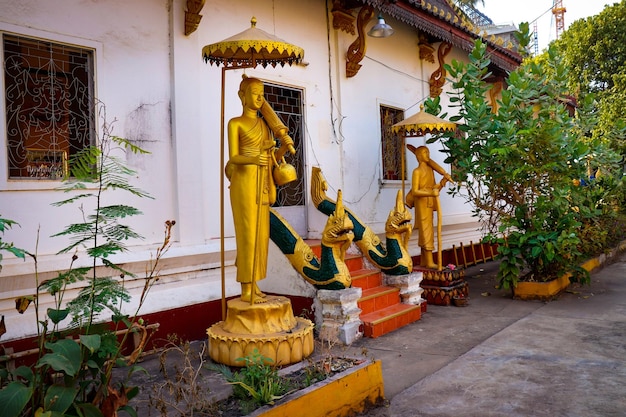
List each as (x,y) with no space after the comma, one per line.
(444,22)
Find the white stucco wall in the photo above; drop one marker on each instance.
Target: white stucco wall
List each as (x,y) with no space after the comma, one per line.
(165,98)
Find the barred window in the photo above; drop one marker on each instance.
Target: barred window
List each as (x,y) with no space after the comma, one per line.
(49,97)
(287,103)
(391,143)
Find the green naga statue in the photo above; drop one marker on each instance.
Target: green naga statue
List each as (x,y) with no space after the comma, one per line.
(393,258)
(330,271)
(343,227)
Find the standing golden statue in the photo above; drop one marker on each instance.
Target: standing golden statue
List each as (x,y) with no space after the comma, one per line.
(424,196)
(253,153)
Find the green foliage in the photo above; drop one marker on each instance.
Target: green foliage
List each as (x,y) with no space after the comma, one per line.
(6,224)
(523,38)
(472,3)
(516,163)
(593,50)
(598,206)
(73,376)
(257,383)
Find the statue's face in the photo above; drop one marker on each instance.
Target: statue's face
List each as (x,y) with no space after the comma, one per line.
(254,96)
(423,154)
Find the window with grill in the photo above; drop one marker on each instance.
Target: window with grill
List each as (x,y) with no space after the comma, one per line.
(49,98)
(287,103)
(391,143)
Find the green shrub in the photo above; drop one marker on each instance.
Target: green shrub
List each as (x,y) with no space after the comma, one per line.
(517,163)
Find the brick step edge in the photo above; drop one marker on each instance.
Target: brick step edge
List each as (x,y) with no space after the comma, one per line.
(388,313)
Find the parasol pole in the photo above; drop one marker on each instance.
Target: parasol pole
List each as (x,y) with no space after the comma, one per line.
(223,276)
(402,165)
(438,207)
(259,189)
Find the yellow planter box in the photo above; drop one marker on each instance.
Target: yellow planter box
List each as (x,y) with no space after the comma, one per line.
(547,290)
(343,394)
(540,290)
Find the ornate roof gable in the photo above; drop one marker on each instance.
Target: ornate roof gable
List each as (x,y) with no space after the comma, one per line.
(444,21)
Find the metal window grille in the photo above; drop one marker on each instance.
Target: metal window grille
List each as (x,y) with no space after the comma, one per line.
(49,96)
(391,144)
(287,103)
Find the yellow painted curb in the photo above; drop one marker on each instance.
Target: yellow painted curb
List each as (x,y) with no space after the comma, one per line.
(344,394)
(541,290)
(547,290)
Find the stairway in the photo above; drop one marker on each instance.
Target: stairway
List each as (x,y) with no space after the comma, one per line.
(381,309)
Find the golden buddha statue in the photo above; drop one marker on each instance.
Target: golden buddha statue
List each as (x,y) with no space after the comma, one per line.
(253,153)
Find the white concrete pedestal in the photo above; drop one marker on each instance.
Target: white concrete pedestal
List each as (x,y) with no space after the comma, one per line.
(337,315)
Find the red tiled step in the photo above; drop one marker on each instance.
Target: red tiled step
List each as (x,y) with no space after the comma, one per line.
(366,278)
(389,319)
(378,298)
(354,262)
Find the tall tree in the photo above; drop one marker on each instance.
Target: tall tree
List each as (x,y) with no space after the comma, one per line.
(593,50)
(471,3)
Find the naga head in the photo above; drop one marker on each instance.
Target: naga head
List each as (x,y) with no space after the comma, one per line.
(339,227)
(399,220)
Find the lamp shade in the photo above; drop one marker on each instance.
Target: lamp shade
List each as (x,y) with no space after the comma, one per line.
(380,29)
(252,47)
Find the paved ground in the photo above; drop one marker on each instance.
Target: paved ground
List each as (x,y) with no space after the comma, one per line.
(504,357)
(499,356)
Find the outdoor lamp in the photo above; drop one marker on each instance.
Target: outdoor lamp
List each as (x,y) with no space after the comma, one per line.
(381,29)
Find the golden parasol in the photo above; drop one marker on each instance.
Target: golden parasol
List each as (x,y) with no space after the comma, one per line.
(251,47)
(421,124)
(245,50)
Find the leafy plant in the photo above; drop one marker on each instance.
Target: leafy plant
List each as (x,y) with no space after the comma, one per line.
(257,383)
(73,376)
(515,162)
(6,224)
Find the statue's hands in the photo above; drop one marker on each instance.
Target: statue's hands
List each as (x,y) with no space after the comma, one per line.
(263,159)
(268,144)
(287,143)
(444,181)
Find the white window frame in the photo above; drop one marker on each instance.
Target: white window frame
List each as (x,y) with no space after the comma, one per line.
(9,184)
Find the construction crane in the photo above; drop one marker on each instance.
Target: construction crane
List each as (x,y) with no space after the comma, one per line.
(559,16)
(535,38)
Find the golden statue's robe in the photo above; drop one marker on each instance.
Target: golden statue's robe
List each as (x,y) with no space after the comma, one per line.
(252,191)
(424,179)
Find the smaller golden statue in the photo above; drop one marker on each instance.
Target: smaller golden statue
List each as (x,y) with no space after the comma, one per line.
(424,196)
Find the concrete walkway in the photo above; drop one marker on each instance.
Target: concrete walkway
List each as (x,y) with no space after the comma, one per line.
(504,357)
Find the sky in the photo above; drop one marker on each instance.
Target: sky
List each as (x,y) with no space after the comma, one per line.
(516,11)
